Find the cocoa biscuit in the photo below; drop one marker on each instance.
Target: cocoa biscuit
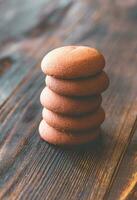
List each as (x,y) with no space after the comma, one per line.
(73,62)
(79,123)
(53,136)
(79,87)
(69,105)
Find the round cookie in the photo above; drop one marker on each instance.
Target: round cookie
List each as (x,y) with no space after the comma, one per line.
(79,123)
(53,136)
(70,62)
(69,105)
(79,87)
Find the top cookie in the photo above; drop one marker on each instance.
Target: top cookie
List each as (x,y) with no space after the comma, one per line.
(73,62)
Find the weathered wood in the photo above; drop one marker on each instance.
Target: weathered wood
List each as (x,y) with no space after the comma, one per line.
(125,185)
(32,169)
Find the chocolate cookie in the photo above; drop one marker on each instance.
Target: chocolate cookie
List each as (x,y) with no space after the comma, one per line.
(53,136)
(79,123)
(69,105)
(73,62)
(79,87)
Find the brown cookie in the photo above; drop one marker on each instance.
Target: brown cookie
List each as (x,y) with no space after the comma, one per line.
(79,123)
(73,62)
(69,105)
(79,87)
(53,136)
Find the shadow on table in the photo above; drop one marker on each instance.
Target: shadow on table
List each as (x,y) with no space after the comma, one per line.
(95,146)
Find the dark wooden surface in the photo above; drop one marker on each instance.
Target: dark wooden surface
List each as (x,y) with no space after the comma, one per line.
(33,169)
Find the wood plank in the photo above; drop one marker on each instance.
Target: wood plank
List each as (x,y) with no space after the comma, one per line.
(124,186)
(24,29)
(29,167)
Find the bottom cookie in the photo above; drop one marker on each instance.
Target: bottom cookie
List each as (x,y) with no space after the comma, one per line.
(53,136)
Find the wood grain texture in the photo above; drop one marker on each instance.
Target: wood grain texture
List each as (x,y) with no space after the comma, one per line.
(33,169)
(125,184)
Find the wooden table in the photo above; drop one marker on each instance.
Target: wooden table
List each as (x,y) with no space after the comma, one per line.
(29,167)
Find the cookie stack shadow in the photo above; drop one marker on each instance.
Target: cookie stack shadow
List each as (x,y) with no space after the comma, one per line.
(72,113)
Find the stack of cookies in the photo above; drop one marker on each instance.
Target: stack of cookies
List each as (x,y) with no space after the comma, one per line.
(72,112)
